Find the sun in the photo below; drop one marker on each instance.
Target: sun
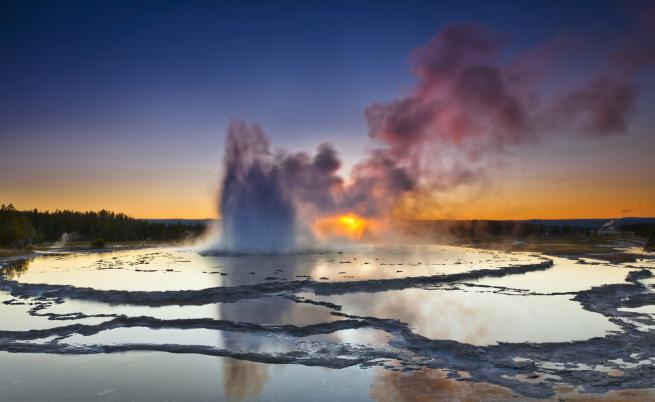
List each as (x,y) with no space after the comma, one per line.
(349,225)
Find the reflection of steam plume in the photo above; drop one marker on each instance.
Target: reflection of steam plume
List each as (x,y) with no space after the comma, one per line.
(243,380)
(468,109)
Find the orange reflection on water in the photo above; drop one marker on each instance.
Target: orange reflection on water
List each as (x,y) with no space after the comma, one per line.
(433,385)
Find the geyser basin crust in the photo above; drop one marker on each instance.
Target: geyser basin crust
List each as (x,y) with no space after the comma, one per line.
(268,320)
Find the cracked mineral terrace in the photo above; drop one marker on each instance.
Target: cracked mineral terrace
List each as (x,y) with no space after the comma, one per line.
(505,324)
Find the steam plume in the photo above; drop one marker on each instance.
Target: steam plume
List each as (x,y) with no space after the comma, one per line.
(257,214)
(468,109)
(470,106)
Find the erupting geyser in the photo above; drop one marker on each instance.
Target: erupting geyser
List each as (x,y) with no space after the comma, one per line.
(280,202)
(256,214)
(469,109)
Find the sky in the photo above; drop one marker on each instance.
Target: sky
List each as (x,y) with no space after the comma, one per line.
(124,105)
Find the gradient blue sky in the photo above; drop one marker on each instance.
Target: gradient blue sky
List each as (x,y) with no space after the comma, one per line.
(123,105)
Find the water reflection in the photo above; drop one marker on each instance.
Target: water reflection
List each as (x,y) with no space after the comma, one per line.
(243,380)
(14,269)
(566,275)
(154,376)
(145,269)
(158,269)
(478,318)
(475,316)
(433,385)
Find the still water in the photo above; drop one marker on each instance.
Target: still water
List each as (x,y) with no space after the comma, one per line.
(256,328)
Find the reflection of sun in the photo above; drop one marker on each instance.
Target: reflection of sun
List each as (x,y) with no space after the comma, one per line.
(349,225)
(433,385)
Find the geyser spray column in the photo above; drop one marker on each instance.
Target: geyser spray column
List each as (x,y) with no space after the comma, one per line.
(256,213)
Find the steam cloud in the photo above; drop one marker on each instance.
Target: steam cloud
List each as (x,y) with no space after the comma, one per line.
(468,107)
(257,214)
(468,104)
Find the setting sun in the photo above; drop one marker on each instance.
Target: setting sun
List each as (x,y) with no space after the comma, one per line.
(350,225)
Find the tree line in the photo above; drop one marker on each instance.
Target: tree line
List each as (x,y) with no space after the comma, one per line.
(481,229)
(645,230)
(488,229)
(20,229)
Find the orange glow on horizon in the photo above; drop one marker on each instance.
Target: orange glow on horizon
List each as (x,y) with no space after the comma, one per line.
(195,197)
(349,225)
